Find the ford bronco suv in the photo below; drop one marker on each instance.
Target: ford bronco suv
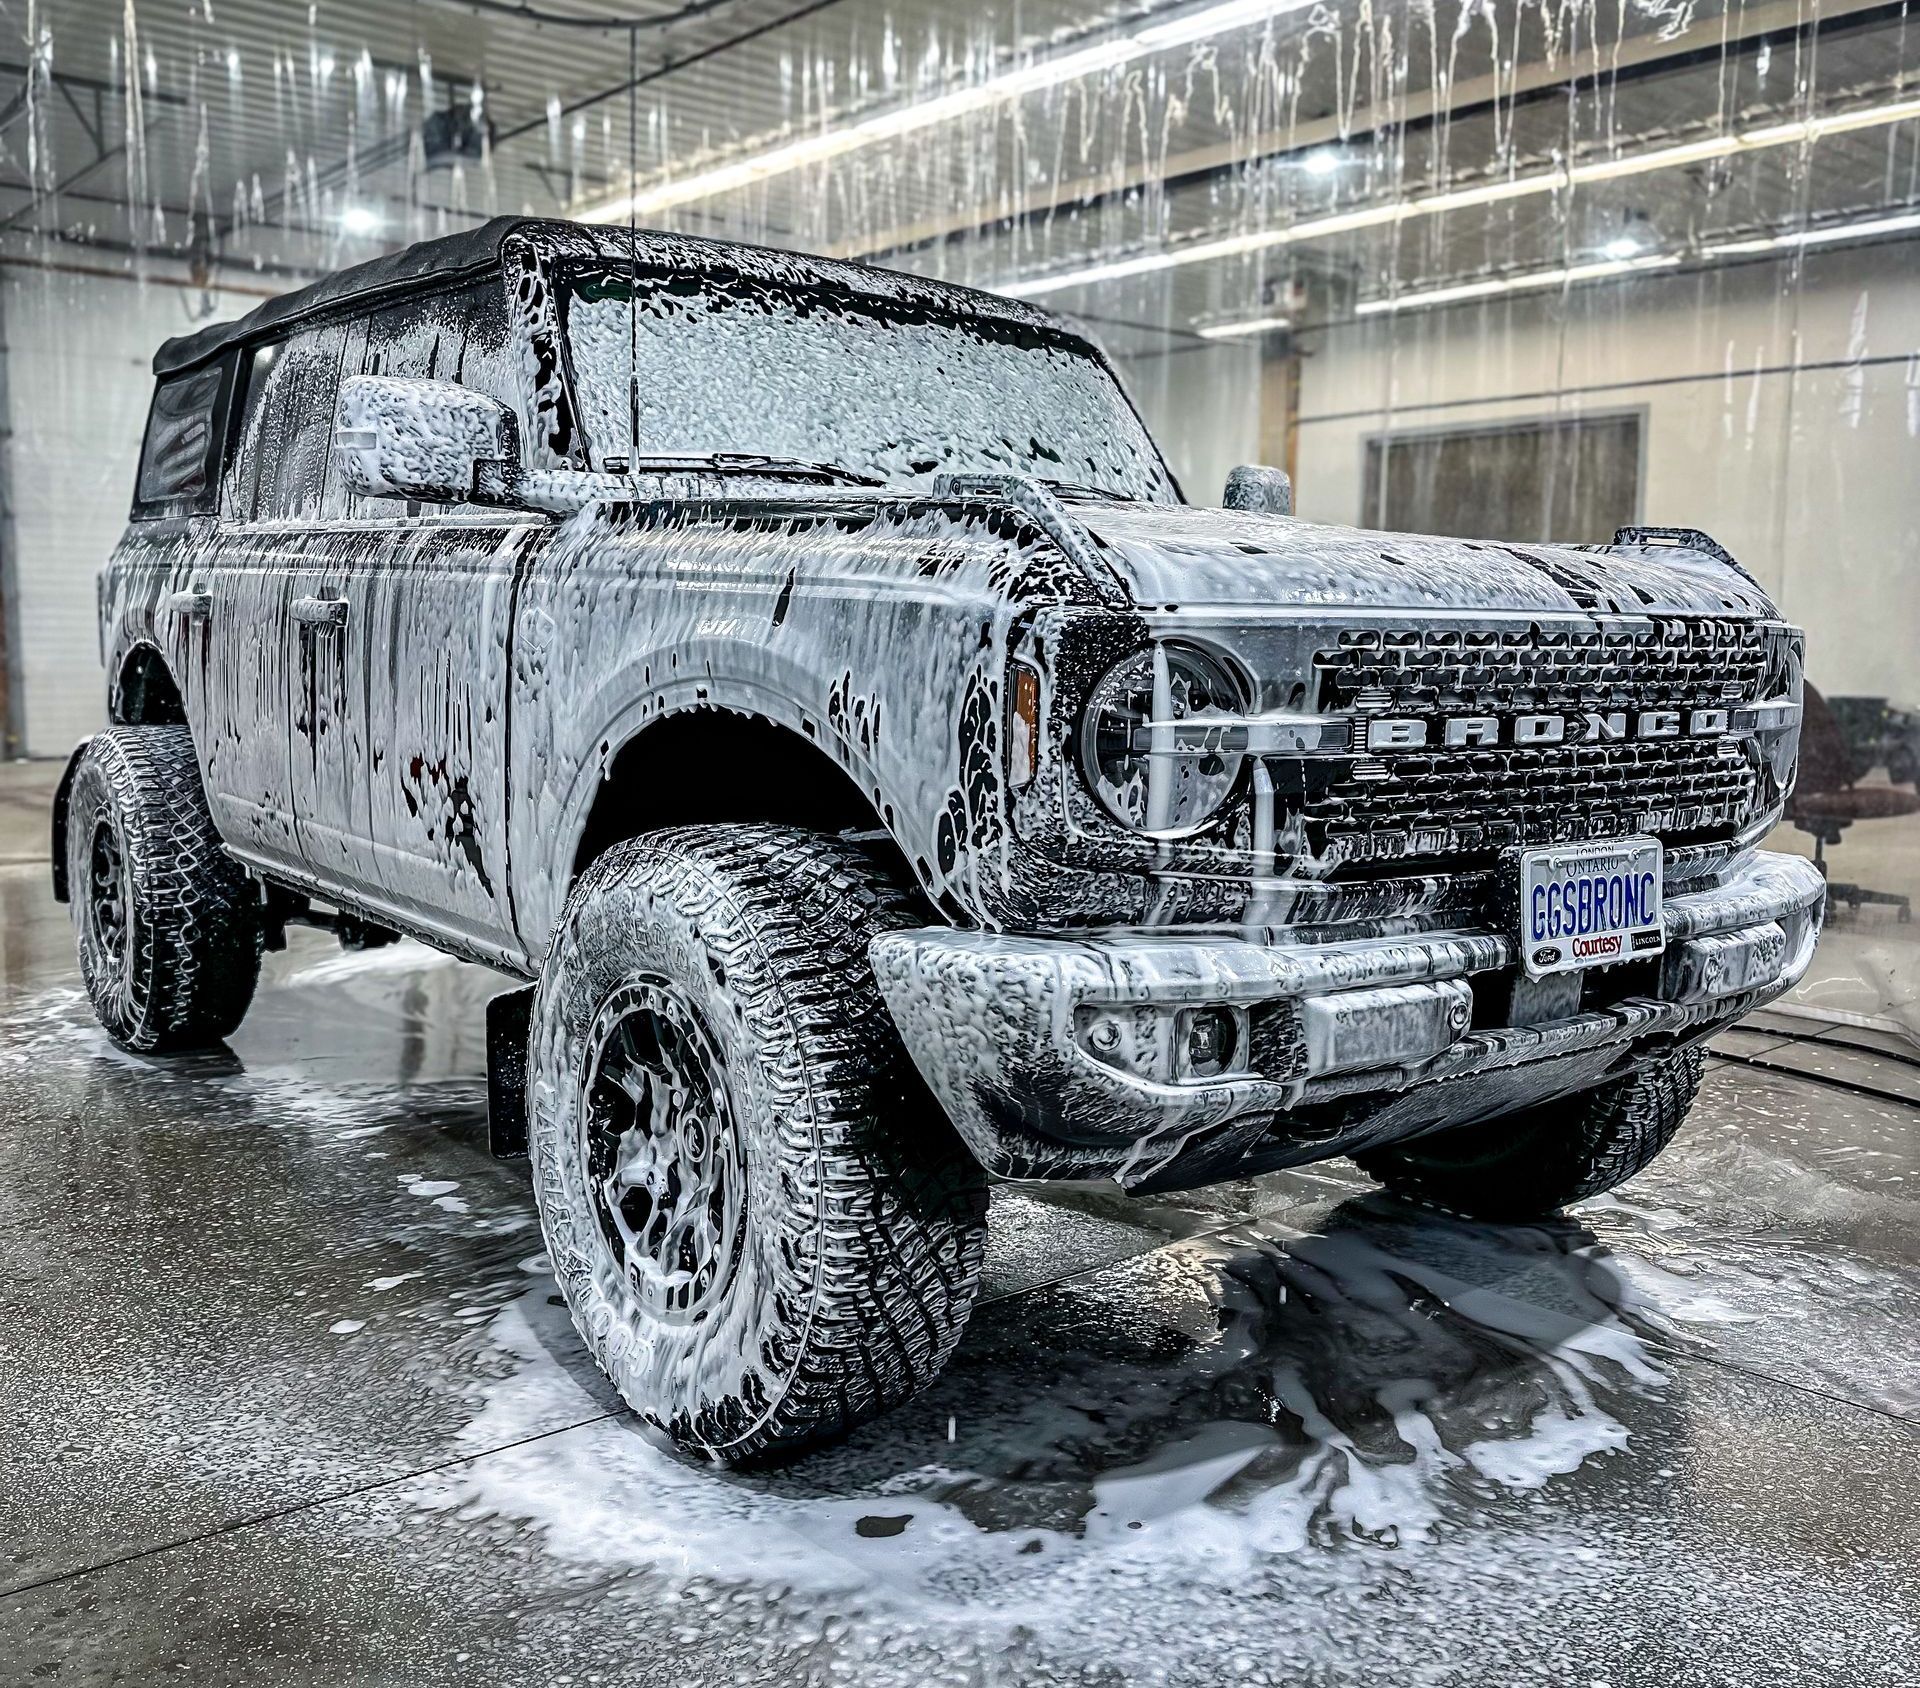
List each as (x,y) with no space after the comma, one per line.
(811,683)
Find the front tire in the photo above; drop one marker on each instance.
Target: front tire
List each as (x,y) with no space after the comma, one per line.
(167,923)
(763,1225)
(1533,1163)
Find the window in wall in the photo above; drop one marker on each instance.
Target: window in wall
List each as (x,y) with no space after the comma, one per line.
(178,458)
(279,471)
(1574,479)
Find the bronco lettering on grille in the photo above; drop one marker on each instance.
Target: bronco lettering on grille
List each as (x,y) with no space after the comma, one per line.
(1413,732)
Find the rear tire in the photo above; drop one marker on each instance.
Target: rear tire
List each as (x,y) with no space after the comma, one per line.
(168,924)
(1530,1164)
(765,1228)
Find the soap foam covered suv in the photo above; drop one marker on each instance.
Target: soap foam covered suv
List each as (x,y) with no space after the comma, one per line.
(810,683)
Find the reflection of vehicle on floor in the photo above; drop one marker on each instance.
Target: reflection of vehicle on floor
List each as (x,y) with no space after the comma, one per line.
(813,678)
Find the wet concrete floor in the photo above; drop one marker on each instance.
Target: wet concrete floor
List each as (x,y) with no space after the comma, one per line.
(286,1396)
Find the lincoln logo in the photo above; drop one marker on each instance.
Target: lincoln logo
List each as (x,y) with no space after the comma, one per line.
(1403,732)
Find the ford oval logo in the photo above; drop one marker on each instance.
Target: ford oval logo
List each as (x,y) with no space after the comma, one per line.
(1546,955)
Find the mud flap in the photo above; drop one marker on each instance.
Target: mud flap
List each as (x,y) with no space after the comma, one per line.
(62,796)
(509,1017)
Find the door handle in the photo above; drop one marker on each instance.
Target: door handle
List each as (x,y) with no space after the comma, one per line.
(195,604)
(320,612)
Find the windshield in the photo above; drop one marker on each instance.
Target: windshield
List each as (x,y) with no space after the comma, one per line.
(705,364)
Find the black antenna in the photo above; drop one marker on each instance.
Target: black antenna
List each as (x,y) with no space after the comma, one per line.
(633,244)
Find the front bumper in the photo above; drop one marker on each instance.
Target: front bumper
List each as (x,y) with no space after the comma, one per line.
(1072,1057)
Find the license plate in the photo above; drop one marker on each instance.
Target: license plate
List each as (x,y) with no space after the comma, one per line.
(1590,905)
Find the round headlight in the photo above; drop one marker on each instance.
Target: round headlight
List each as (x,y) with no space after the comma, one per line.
(1116,739)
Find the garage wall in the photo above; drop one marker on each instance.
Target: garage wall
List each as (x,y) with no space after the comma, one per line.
(79,351)
(1203,405)
(1782,418)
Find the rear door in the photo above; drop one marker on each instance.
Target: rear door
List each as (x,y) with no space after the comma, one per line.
(294,753)
(241,592)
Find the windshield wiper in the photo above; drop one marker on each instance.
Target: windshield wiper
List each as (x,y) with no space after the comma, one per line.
(1082,490)
(743,462)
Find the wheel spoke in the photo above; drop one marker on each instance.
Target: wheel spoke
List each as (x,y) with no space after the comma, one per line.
(108,897)
(662,1154)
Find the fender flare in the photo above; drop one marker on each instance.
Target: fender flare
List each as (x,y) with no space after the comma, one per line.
(540,897)
(62,797)
(690,698)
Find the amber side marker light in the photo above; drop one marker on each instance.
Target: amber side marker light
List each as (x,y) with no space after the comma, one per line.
(1024,755)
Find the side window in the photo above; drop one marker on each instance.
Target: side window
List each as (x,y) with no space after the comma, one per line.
(279,471)
(459,336)
(179,458)
(487,361)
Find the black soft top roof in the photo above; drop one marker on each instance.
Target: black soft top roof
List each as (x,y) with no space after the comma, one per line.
(429,262)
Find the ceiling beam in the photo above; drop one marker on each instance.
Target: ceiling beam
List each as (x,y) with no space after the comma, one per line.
(395,147)
(669,66)
(16,109)
(92,84)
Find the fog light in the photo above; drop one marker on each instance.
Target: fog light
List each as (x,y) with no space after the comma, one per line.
(1210,1038)
(1105,1036)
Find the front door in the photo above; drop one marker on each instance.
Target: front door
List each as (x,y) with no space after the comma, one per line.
(330,639)
(439,605)
(430,592)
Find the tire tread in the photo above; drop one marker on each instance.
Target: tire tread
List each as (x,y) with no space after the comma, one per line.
(1535,1162)
(892,1225)
(194,916)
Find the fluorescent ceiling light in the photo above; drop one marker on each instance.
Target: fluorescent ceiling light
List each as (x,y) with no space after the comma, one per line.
(1482,193)
(1533,281)
(1311,228)
(1201,24)
(1322,161)
(1528,281)
(1253,325)
(1864,229)
(358,219)
(1624,247)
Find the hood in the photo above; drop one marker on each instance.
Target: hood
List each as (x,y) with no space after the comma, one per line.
(1189,557)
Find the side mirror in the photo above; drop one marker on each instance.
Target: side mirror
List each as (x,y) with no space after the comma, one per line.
(1253,486)
(426,440)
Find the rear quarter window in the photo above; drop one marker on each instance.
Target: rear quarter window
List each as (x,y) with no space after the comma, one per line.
(179,458)
(283,445)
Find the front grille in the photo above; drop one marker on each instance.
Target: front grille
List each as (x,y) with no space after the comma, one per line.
(1473,802)
(1664,661)
(1450,806)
